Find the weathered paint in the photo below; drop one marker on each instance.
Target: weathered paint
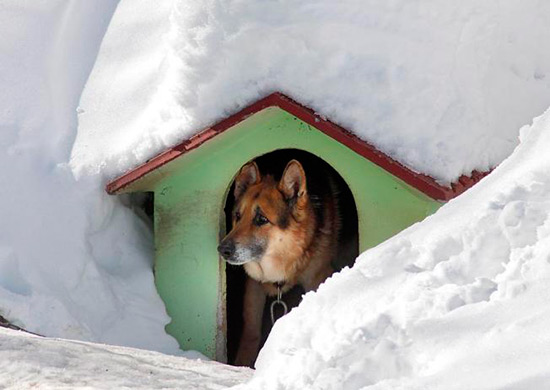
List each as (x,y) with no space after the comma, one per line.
(190,194)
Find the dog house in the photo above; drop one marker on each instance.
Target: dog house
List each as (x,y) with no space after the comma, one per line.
(191,182)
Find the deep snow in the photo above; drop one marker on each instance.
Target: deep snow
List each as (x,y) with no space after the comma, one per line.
(74,263)
(441,86)
(92,89)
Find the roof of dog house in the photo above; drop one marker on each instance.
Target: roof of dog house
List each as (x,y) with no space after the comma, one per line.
(191,182)
(422,182)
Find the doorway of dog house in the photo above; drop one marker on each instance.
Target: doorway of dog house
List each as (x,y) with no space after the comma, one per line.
(317,173)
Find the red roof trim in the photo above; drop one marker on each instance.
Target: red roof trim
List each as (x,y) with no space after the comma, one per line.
(424,183)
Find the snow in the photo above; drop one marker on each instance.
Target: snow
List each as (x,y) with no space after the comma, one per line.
(74,262)
(441,86)
(34,362)
(91,89)
(458,301)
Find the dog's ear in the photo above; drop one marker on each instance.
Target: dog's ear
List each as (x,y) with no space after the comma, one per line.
(248,175)
(293,182)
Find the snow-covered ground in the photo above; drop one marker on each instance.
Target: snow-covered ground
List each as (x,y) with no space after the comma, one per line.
(28,362)
(90,89)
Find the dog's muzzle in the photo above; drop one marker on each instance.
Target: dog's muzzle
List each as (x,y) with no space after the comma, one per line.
(227,249)
(237,254)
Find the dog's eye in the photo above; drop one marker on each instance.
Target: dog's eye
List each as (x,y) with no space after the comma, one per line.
(260,220)
(237,215)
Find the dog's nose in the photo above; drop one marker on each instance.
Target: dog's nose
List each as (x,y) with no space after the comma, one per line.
(227,249)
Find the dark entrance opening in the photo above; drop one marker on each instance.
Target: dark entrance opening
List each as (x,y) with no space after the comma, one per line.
(142,204)
(317,173)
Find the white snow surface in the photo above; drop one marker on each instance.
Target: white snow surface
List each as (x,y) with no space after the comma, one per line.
(28,362)
(459,301)
(74,262)
(90,89)
(441,86)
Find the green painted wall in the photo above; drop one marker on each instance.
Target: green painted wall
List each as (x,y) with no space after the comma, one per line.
(190,194)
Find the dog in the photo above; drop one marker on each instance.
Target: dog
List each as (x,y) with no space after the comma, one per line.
(284,233)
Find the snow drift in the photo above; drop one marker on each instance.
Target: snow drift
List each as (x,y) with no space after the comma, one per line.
(441,86)
(73,262)
(459,301)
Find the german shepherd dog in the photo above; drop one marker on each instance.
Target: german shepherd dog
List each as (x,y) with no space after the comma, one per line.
(284,234)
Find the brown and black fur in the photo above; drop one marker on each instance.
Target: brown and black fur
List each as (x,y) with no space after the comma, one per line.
(285,231)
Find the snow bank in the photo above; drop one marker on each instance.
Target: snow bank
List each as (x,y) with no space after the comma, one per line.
(73,262)
(441,86)
(459,301)
(32,362)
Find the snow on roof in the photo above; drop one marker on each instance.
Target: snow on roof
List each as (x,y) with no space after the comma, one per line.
(442,88)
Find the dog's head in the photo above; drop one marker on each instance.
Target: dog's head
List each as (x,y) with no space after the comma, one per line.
(267,221)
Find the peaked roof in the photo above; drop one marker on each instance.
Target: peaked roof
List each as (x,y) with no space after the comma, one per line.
(423,183)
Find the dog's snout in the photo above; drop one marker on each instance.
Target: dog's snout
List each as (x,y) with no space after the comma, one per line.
(227,249)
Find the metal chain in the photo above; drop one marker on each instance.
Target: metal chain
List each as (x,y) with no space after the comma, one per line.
(276,302)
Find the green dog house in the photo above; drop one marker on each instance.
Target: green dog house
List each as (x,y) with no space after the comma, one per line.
(191,182)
